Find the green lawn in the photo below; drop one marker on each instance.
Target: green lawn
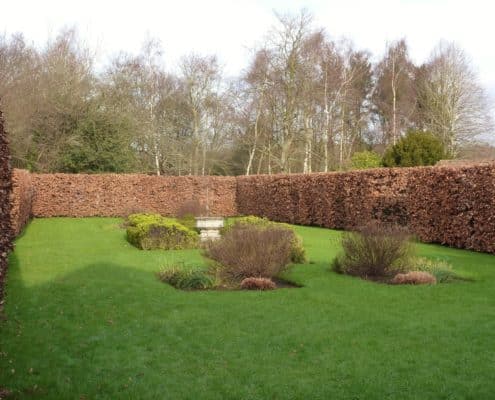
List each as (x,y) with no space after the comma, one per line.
(87,319)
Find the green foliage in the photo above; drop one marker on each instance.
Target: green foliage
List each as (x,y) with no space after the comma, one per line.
(152,231)
(298,254)
(415,149)
(248,220)
(186,279)
(365,159)
(189,221)
(98,144)
(440,269)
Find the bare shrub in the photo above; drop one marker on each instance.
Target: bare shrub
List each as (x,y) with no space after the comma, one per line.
(191,208)
(414,278)
(254,283)
(374,251)
(250,251)
(298,255)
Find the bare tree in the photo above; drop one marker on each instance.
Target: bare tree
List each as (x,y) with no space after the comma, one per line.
(201,78)
(20,67)
(452,103)
(395,98)
(353,101)
(141,88)
(285,44)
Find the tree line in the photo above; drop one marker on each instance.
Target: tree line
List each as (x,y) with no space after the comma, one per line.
(305,103)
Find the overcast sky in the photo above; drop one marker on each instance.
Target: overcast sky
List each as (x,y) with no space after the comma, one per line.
(230,28)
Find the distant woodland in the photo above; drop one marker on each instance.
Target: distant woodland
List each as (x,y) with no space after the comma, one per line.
(305,103)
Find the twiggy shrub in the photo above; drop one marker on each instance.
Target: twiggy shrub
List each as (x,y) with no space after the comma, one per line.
(188,211)
(298,254)
(245,251)
(192,208)
(374,251)
(255,283)
(414,278)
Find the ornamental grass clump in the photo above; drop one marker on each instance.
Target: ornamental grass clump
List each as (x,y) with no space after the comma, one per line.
(247,251)
(440,269)
(374,251)
(152,231)
(186,279)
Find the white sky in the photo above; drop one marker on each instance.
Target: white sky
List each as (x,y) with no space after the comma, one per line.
(230,28)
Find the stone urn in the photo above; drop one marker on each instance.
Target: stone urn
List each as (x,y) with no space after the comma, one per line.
(209,227)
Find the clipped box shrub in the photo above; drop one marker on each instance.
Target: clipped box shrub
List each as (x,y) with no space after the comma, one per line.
(255,283)
(247,251)
(298,254)
(186,279)
(365,160)
(152,231)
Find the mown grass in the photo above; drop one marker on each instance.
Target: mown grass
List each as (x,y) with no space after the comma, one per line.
(87,318)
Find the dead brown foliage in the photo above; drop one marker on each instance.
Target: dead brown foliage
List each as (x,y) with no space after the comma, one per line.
(22,199)
(192,208)
(256,283)
(448,205)
(451,205)
(414,278)
(107,195)
(6,233)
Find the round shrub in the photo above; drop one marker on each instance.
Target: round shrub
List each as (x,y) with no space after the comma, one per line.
(254,283)
(415,149)
(365,159)
(152,231)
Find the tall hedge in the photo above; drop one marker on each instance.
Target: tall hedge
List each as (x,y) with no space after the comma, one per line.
(5,206)
(451,206)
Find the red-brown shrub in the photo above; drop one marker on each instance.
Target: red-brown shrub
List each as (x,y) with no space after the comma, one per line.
(246,251)
(192,208)
(254,283)
(21,199)
(5,207)
(414,278)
